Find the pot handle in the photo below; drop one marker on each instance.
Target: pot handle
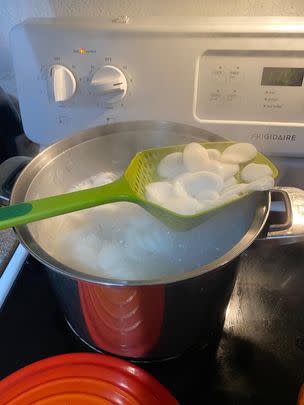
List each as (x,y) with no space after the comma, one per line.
(285,222)
(9,171)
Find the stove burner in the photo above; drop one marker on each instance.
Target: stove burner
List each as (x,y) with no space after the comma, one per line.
(260,356)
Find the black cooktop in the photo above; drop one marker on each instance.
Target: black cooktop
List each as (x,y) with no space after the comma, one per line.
(260,358)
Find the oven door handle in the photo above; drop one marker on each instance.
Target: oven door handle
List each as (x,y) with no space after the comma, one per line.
(11,272)
(9,171)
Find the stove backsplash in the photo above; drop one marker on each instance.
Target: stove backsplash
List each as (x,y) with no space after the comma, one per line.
(291,171)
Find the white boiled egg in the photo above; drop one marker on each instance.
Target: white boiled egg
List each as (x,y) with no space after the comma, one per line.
(195,157)
(225,170)
(194,183)
(262,184)
(255,171)
(183,205)
(239,153)
(171,165)
(159,191)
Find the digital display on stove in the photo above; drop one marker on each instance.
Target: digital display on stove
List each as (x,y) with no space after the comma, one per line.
(278,76)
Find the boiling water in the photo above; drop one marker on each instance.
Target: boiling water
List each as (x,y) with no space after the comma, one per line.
(123,241)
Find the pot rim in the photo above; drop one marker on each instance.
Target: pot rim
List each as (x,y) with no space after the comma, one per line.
(50,153)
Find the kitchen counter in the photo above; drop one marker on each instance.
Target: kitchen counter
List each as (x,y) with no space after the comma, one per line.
(8,244)
(260,356)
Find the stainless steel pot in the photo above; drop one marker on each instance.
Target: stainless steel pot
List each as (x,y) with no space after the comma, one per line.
(149,318)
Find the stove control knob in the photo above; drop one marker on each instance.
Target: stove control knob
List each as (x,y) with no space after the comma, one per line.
(110,83)
(62,83)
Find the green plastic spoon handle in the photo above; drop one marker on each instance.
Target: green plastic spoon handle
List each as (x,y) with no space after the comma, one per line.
(36,210)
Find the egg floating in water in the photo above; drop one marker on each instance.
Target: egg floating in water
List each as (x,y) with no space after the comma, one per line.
(199,178)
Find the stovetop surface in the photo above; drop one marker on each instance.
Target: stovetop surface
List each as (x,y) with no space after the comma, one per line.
(260,358)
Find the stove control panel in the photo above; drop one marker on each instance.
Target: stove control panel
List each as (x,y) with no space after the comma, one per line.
(240,78)
(251,86)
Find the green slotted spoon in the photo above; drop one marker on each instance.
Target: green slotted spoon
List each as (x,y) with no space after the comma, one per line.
(130,187)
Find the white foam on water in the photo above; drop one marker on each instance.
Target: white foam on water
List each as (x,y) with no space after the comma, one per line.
(118,240)
(123,241)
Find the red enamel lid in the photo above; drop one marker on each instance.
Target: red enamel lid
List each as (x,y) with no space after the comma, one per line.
(301,396)
(83,378)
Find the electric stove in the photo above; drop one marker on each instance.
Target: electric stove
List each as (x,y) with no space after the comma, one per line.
(259,358)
